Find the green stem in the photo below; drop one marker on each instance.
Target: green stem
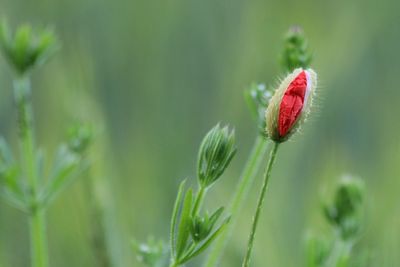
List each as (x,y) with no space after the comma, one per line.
(246,261)
(199,200)
(22,91)
(247,177)
(38,239)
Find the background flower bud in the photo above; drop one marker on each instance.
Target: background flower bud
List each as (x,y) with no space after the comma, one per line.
(347,208)
(216,152)
(26,48)
(79,138)
(295,53)
(290,105)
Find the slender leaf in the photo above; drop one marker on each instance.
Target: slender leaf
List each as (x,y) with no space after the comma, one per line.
(184,224)
(174,217)
(13,199)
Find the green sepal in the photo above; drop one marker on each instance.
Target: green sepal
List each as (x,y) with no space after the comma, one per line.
(174,218)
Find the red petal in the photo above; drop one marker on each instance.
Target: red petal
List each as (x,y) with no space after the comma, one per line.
(292,103)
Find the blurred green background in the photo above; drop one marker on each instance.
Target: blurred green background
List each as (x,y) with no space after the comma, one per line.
(156,75)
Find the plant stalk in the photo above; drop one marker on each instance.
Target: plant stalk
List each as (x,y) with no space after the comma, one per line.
(246,261)
(247,178)
(22,91)
(38,239)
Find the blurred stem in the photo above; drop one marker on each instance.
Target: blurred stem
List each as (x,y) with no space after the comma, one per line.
(22,92)
(340,253)
(97,221)
(247,177)
(246,261)
(199,200)
(38,238)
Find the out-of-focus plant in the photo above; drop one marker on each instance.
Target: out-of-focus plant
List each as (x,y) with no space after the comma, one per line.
(192,231)
(295,54)
(23,181)
(80,136)
(345,217)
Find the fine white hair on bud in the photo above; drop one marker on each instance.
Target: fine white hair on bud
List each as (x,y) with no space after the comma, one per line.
(290,105)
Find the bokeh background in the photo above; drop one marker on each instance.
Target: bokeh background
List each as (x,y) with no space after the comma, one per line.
(154,76)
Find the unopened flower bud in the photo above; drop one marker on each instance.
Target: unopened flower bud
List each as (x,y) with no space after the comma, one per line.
(290,104)
(295,53)
(26,48)
(215,154)
(201,227)
(346,210)
(79,138)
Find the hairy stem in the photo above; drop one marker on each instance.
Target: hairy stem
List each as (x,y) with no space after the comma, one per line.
(246,261)
(22,91)
(247,177)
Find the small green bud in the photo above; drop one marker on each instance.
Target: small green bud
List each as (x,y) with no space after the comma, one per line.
(152,253)
(26,48)
(295,53)
(347,208)
(79,138)
(216,152)
(201,227)
(257,97)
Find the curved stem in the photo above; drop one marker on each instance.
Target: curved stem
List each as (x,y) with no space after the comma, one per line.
(247,177)
(22,91)
(246,261)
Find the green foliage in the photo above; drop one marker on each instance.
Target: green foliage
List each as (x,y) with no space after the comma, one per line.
(346,211)
(295,53)
(215,154)
(27,48)
(345,218)
(191,233)
(25,184)
(201,226)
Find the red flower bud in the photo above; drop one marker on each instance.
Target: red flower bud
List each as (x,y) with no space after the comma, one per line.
(290,104)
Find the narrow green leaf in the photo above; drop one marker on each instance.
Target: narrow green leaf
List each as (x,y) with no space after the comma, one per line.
(174,218)
(66,168)
(184,224)
(208,242)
